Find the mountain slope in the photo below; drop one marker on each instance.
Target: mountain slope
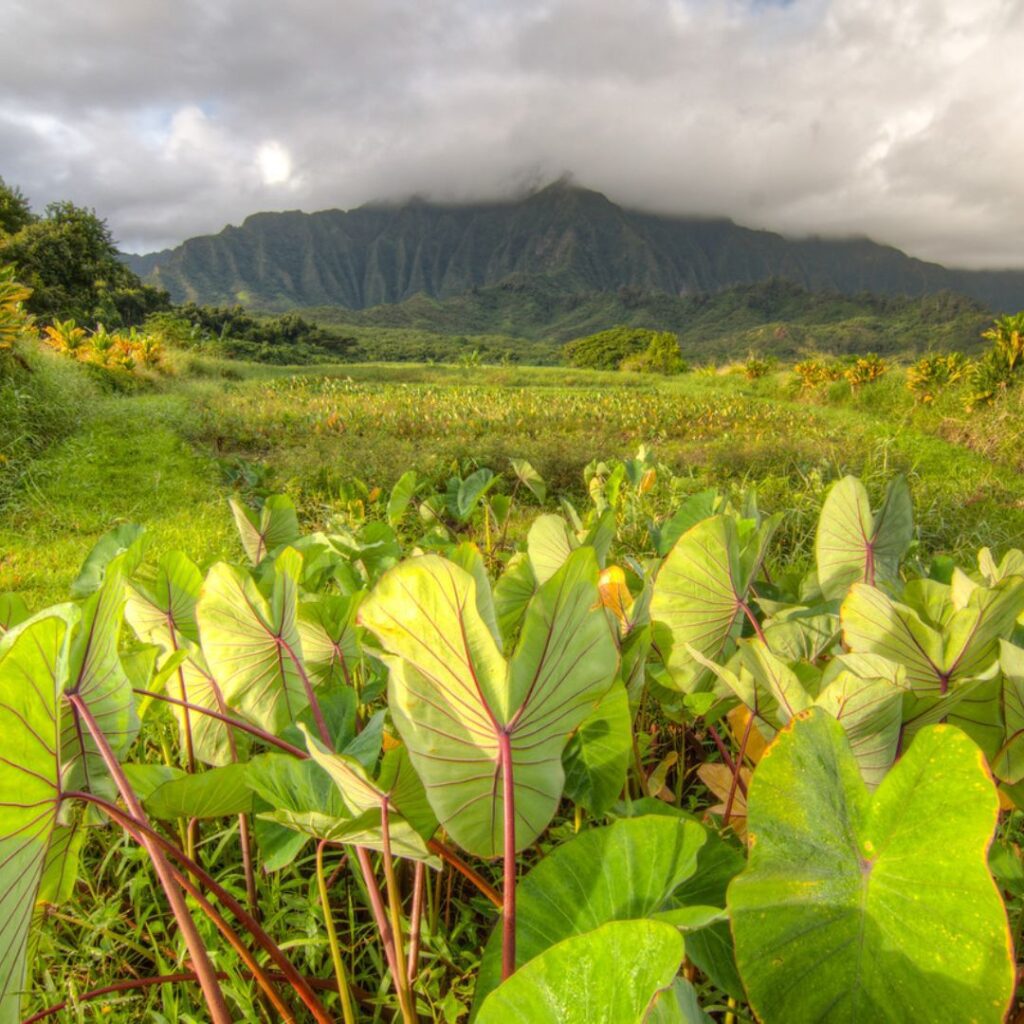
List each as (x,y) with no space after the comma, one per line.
(577,239)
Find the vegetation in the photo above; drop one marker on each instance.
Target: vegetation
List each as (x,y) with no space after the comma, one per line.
(519,694)
(69,261)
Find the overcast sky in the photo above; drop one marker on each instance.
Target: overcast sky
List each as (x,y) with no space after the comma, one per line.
(899,119)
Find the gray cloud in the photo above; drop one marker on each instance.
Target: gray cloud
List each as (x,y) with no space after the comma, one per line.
(891,118)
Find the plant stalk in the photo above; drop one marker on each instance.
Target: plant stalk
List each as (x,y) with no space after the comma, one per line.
(218,1008)
(508,907)
(340,974)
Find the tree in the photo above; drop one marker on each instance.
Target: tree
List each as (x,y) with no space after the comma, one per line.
(69,260)
(15,212)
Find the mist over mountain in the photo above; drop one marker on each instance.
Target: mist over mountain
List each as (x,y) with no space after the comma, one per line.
(576,239)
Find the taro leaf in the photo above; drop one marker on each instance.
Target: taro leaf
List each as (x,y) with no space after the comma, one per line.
(699,595)
(619,872)
(1012,564)
(157,614)
(213,742)
(512,594)
(276,526)
(95,674)
(464,495)
(678,1005)
(597,756)
(601,535)
(211,794)
(340,710)
(718,863)
(607,976)
(530,478)
(252,646)
(940,663)
(804,635)
(126,540)
(852,546)
(330,637)
(410,819)
(454,698)
(856,907)
(401,495)
(696,508)
(33,664)
(467,556)
(870,712)
(13,611)
(549,545)
(1009,764)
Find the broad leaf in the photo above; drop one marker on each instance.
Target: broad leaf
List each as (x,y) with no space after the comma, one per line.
(623,871)
(96,675)
(530,478)
(263,534)
(1009,764)
(875,908)
(33,664)
(853,546)
(13,611)
(126,541)
(330,638)
(252,645)
(607,976)
(700,594)
(453,696)
(159,613)
(549,545)
(695,509)
(401,495)
(597,756)
(211,794)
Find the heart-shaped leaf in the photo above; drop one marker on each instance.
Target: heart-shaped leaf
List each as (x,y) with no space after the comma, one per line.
(856,907)
(623,871)
(265,533)
(607,976)
(455,700)
(853,546)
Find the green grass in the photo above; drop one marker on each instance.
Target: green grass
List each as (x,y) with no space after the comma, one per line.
(169,458)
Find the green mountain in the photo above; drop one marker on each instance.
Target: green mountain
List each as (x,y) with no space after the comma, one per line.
(576,240)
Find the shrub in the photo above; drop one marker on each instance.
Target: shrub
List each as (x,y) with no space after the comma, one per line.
(813,373)
(865,370)
(931,373)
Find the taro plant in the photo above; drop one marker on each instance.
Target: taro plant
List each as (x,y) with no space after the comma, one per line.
(375,725)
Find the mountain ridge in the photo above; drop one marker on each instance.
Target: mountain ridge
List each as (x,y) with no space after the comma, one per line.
(387,253)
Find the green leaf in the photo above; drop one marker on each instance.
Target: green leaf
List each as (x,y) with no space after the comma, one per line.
(698,595)
(878,907)
(678,1005)
(607,976)
(330,638)
(530,478)
(252,646)
(169,608)
(211,794)
(467,556)
(853,546)
(1008,765)
(13,611)
(695,509)
(597,756)
(127,540)
(33,665)
(401,495)
(626,870)
(465,495)
(96,675)
(512,594)
(262,535)
(453,697)
(549,544)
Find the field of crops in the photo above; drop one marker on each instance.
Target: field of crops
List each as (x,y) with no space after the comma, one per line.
(513,695)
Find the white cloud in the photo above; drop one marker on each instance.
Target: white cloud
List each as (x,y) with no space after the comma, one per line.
(892,118)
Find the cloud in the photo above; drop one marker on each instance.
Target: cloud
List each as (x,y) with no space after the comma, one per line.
(890,118)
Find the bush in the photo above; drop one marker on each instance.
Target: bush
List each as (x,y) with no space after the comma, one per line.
(864,370)
(932,373)
(813,373)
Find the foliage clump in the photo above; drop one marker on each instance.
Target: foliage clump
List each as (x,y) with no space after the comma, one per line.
(934,372)
(813,373)
(865,370)
(635,349)
(68,259)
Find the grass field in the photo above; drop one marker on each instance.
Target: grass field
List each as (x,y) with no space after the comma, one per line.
(168,457)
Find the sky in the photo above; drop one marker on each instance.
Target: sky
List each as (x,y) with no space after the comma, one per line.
(896,119)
